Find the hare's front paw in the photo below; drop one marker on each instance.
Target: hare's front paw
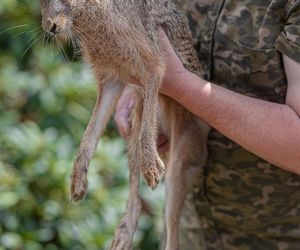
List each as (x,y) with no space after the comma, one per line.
(153,173)
(78,178)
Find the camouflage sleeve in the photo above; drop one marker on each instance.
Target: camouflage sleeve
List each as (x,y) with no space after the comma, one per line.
(288,41)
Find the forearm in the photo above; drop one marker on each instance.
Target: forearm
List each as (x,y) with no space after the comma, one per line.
(269,130)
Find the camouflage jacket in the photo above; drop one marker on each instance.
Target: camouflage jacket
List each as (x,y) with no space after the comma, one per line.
(244,202)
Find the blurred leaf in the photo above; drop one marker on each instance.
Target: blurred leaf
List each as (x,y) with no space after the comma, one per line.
(8,199)
(11,240)
(45,104)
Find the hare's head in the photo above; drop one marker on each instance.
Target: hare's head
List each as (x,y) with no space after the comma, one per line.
(58,15)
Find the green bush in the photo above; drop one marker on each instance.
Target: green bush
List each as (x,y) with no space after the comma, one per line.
(46,99)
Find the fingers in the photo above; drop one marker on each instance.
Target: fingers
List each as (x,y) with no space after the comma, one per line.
(123,112)
(174,66)
(164,40)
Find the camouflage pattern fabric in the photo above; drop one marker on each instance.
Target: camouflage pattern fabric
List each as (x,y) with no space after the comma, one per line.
(244,202)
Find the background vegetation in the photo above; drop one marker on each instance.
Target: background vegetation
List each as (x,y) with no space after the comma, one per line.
(46,98)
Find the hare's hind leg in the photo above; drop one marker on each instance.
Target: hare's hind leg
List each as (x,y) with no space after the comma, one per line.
(126,228)
(108,95)
(187,157)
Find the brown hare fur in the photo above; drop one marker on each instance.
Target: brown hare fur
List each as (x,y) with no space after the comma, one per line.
(118,39)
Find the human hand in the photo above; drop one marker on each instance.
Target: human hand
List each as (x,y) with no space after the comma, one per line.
(175,70)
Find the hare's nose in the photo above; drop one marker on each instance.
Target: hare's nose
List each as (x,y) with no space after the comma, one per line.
(53,28)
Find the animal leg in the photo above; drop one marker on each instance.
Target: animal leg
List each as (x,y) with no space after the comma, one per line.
(126,228)
(108,95)
(152,166)
(187,156)
(125,231)
(175,195)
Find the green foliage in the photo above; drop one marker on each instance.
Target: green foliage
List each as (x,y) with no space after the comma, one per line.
(45,104)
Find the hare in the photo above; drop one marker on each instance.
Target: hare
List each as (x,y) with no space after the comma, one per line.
(118,39)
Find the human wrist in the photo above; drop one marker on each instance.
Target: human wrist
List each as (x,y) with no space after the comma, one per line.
(173,85)
(181,84)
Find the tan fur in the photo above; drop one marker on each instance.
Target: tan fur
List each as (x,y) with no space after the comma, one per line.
(118,38)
